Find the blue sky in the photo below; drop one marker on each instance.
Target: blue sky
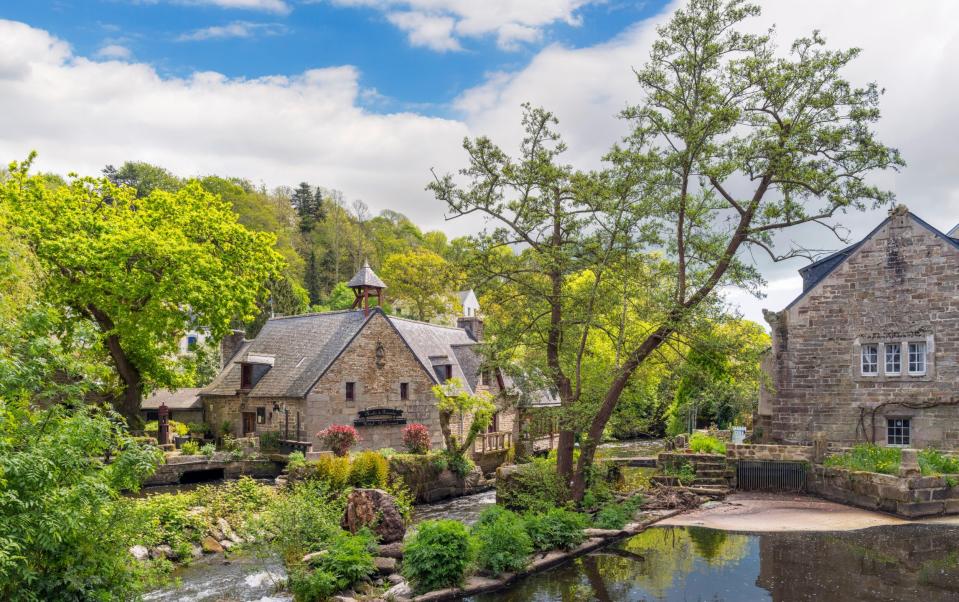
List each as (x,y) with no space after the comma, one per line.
(286,37)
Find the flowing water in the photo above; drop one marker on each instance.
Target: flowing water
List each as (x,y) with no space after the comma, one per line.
(907,563)
(242,578)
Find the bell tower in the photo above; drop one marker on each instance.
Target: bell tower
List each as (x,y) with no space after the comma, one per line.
(366,284)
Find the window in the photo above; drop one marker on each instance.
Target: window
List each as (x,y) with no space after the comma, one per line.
(484,377)
(246,376)
(893,358)
(897,431)
(404,391)
(261,415)
(191,342)
(444,372)
(917,358)
(350,391)
(493,424)
(870,359)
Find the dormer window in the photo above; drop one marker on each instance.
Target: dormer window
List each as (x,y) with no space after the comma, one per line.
(246,376)
(253,369)
(445,372)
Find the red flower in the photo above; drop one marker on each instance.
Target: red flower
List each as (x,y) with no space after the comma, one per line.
(416,438)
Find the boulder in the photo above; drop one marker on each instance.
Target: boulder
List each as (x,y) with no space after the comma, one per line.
(226,544)
(391,550)
(385,566)
(162,551)
(140,552)
(227,530)
(400,590)
(210,545)
(377,510)
(395,579)
(313,556)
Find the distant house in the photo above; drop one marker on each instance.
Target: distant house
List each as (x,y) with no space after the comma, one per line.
(359,367)
(869,351)
(185,405)
(469,303)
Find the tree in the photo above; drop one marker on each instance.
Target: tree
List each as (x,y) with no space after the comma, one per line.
(423,280)
(143,177)
(731,145)
(452,399)
(313,278)
(309,206)
(61,516)
(141,270)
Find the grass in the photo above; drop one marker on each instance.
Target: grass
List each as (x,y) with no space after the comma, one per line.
(706,444)
(868,457)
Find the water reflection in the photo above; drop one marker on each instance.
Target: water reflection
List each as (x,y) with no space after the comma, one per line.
(901,563)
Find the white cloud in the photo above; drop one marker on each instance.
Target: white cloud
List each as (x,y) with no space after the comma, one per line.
(441,24)
(81,114)
(114,52)
(426,30)
(272,6)
(236,29)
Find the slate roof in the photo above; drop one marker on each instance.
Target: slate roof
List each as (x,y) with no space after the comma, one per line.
(816,272)
(303,347)
(366,277)
(180,399)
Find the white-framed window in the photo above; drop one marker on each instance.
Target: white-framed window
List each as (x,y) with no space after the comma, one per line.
(917,357)
(893,358)
(898,431)
(870,359)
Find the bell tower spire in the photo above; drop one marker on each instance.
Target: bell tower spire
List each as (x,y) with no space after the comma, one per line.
(366,284)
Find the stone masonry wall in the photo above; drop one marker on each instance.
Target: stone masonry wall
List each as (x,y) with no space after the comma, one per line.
(911,497)
(900,285)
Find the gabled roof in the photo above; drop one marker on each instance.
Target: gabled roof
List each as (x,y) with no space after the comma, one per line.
(366,277)
(303,347)
(816,272)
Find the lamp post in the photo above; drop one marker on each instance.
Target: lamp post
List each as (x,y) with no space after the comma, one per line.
(163,424)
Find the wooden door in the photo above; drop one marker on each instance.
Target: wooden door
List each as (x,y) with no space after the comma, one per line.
(249,423)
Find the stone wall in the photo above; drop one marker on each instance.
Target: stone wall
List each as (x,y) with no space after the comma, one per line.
(427,484)
(898,286)
(779,453)
(172,472)
(911,497)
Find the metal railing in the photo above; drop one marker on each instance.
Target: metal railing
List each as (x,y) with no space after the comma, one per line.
(492,442)
(767,475)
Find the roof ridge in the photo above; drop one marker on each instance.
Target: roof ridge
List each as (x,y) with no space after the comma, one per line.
(424,323)
(314,314)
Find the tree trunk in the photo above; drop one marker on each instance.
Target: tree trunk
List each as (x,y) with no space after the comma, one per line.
(129,403)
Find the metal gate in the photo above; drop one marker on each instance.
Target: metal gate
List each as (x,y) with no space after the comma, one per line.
(768,475)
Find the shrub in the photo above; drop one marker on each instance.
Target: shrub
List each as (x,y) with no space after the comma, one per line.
(339,438)
(176,428)
(502,543)
(386,452)
(348,560)
(200,428)
(701,443)
(416,438)
(490,515)
(616,515)
(306,519)
(932,461)
(270,441)
(208,449)
(311,586)
(295,460)
(868,457)
(190,448)
(556,528)
(683,471)
(533,487)
(437,555)
(369,469)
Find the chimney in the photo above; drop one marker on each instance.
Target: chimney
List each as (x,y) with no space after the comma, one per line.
(473,325)
(229,345)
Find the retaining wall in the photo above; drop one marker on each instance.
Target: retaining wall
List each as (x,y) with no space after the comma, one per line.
(909,497)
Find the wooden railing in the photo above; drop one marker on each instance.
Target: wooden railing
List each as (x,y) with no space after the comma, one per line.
(492,442)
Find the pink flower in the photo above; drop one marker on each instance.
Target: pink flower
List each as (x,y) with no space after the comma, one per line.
(416,438)
(339,438)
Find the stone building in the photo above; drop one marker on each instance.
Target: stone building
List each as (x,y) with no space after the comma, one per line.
(869,351)
(357,367)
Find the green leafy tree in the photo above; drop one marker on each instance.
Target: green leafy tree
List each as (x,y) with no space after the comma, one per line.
(141,270)
(61,521)
(423,281)
(732,144)
(142,177)
(453,399)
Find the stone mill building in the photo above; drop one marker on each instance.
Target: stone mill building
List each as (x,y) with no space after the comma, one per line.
(359,367)
(869,351)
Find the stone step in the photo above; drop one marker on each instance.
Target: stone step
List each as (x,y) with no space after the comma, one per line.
(713,492)
(710,482)
(709,465)
(712,472)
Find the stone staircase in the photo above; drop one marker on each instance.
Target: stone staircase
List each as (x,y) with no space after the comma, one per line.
(711,478)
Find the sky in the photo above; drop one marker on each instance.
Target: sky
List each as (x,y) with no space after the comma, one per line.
(367,96)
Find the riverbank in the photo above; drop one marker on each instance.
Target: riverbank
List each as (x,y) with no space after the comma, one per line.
(757,512)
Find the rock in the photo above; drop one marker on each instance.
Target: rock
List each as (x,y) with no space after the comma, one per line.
(140,552)
(400,590)
(312,556)
(385,566)
(161,551)
(909,465)
(226,544)
(343,599)
(217,534)
(395,578)
(210,545)
(391,550)
(228,532)
(196,551)
(376,509)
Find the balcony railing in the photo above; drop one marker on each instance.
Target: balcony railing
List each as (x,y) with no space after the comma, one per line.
(493,442)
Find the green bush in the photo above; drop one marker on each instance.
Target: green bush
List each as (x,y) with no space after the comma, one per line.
(489,515)
(176,428)
(348,560)
(437,555)
(868,457)
(556,528)
(369,469)
(616,515)
(701,443)
(208,449)
(270,441)
(502,544)
(683,472)
(932,461)
(295,460)
(201,428)
(311,586)
(190,448)
(533,487)
(306,519)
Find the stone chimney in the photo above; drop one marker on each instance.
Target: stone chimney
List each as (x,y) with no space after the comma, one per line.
(229,345)
(472,325)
